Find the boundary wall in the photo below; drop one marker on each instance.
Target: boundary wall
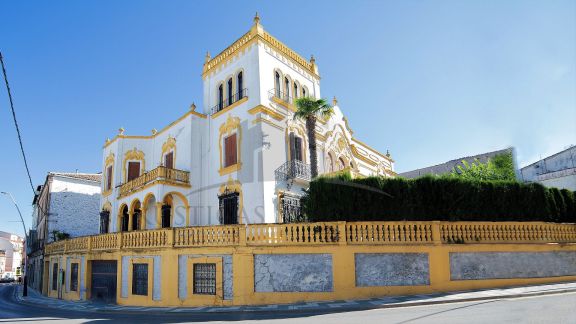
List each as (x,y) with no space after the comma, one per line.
(287,263)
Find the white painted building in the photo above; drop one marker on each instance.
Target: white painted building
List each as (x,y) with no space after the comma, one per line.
(557,170)
(67,204)
(240,157)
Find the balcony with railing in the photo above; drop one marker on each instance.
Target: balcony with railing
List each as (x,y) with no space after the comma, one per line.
(293,170)
(161,173)
(326,233)
(231,100)
(281,98)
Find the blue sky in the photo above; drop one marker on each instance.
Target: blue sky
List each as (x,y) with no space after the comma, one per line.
(428,80)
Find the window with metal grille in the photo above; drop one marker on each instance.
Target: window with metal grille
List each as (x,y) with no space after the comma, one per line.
(291,209)
(74,277)
(140,279)
(55,276)
(205,278)
(229,207)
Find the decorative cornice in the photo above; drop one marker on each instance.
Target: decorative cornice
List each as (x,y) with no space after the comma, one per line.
(257,33)
(266,111)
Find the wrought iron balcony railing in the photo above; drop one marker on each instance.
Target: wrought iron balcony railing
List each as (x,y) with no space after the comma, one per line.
(229,101)
(278,95)
(160,173)
(293,170)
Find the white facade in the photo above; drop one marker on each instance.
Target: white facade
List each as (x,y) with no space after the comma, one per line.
(260,117)
(557,170)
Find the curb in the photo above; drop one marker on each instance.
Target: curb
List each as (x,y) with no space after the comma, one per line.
(319,309)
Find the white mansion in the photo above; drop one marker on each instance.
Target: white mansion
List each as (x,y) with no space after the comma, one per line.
(242,158)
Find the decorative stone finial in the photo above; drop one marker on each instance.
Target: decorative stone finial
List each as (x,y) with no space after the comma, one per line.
(193,106)
(334,101)
(154,131)
(107,140)
(312,59)
(256,18)
(121,131)
(388,153)
(207,57)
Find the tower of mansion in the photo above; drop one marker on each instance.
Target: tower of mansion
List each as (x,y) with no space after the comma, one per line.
(240,157)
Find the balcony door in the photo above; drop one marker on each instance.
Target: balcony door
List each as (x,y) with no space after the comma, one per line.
(296,148)
(133,170)
(169,160)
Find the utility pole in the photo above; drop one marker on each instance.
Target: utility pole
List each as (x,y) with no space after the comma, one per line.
(25,255)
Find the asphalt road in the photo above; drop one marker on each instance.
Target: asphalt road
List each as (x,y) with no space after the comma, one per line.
(558,308)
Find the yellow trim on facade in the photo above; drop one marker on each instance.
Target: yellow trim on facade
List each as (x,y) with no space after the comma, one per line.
(243,242)
(284,104)
(169,146)
(229,108)
(234,186)
(266,111)
(138,298)
(266,121)
(255,35)
(372,149)
(157,182)
(231,125)
(133,155)
(199,298)
(191,112)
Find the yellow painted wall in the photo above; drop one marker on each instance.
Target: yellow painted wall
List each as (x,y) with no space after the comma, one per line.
(242,244)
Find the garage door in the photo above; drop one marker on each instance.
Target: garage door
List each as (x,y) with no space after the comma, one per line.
(104,281)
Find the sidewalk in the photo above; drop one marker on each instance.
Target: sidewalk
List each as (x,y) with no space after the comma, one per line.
(37,299)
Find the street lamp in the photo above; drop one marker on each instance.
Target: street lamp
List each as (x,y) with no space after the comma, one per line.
(25,290)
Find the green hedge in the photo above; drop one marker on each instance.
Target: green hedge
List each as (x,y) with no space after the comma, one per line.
(435,198)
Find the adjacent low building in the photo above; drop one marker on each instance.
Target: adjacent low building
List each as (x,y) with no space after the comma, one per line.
(557,170)
(448,167)
(66,205)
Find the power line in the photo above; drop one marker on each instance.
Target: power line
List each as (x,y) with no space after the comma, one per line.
(16,123)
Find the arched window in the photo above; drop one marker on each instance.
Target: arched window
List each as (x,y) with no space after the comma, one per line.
(220,97)
(330,163)
(240,84)
(124,219)
(230,93)
(304,92)
(277,84)
(341,163)
(287,88)
(295,90)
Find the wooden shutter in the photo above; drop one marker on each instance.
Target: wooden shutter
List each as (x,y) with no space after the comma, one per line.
(169,160)
(230,150)
(109,177)
(133,170)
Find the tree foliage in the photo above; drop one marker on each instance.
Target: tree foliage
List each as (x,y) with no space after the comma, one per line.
(501,167)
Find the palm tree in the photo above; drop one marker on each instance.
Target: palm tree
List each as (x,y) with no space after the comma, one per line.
(309,109)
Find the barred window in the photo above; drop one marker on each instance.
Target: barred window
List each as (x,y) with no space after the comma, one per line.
(74,277)
(140,279)
(205,278)
(291,209)
(55,276)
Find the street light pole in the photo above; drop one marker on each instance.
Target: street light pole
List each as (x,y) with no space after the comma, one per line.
(25,255)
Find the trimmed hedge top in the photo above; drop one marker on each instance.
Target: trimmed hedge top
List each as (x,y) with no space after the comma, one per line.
(435,198)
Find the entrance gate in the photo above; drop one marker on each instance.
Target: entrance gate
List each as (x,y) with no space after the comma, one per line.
(104,281)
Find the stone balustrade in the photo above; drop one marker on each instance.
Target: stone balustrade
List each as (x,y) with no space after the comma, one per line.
(329,233)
